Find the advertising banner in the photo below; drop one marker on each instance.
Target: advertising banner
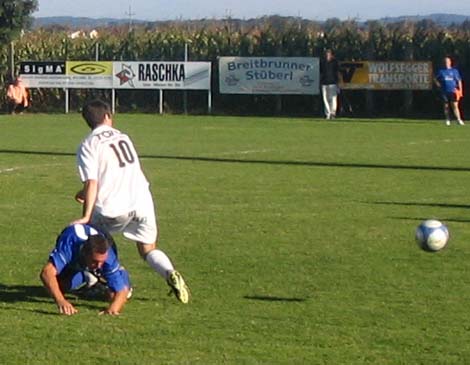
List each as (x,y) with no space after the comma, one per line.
(86,74)
(269,75)
(118,75)
(43,74)
(162,75)
(67,74)
(386,75)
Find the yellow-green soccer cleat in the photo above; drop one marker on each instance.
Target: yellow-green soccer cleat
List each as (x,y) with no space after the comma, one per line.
(178,287)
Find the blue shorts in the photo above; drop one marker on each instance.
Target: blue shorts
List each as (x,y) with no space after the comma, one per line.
(72,280)
(449,97)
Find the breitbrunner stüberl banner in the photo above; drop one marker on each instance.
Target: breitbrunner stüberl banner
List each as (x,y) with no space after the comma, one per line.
(269,75)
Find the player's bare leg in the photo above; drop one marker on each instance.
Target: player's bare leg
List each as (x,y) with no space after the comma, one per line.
(456,110)
(161,263)
(447,113)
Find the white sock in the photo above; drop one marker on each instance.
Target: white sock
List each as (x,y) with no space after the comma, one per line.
(160,262)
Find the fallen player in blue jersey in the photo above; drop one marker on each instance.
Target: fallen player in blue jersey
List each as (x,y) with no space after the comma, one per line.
(83,257)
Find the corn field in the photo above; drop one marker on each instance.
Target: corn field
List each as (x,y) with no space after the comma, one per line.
(351,41)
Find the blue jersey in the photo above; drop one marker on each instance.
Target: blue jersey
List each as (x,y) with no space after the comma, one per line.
(449,79)
(67,255)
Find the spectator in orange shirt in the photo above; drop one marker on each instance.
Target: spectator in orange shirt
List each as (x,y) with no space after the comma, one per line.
(17,97)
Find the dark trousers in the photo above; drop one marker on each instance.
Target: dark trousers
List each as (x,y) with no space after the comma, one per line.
(13,107)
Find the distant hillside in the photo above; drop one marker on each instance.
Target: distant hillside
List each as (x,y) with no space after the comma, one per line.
(82,22)
(441,19)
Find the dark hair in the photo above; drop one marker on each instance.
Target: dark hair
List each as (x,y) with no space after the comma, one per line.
(95,244)
(95,111)
(450,59)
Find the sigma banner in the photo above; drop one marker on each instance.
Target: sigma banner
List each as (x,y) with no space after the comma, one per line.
(162,75)
(67,74)
(269,75)
(387,75)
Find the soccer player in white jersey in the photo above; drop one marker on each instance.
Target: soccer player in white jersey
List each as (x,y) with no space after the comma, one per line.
(116,195)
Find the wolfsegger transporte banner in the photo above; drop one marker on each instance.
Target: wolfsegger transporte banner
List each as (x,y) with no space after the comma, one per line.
(269,75)
(67,74)
(162,75)
(386,75)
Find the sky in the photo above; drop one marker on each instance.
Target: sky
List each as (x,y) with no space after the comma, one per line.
(245,9)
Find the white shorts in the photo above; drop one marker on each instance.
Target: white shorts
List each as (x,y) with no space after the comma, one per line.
(139,225)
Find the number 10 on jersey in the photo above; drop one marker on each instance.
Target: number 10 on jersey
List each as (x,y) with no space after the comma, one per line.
(123,153)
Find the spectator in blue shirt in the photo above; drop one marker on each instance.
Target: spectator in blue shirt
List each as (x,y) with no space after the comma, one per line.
(448,79)
(82,257)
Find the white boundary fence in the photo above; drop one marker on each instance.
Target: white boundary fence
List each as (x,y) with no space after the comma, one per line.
(236,75)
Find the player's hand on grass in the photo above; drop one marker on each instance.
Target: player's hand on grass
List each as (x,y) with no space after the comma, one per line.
(65,307)
(109,312)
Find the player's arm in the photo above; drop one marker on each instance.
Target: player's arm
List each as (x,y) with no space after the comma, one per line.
(339,75)
(437,79)
(117,302)
(118,282)
(461,87)
(88,194)
(49,279)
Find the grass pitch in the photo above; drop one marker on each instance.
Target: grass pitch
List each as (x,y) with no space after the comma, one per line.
(296,237)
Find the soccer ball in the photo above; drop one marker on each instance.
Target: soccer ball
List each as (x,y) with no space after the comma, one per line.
(432,235)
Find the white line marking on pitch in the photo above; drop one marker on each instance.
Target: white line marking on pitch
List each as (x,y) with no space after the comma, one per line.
(441,140)
(16,168)
(216,154)
(9,169)
(247,152)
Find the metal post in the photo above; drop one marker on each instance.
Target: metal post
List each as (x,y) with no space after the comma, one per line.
(113,101)
(97,51)
(185,92)
(161,101)
(209,101)
(66,101)
(12,60)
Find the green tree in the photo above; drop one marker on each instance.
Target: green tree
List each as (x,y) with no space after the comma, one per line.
(15,15)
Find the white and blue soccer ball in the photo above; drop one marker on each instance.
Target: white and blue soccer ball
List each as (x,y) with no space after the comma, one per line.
(432,235)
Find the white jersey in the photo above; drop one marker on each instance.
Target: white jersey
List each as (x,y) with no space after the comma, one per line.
(109,157)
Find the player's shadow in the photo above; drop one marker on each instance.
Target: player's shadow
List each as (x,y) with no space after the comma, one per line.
(23,293)
(268,162)
(38,294)
(270,298)
(420,219)
(419,204)
(432,205)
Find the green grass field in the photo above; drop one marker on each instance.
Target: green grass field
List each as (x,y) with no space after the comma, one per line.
(296,237)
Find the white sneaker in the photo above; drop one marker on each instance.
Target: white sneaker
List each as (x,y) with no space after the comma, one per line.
(461,122)
(447,122)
